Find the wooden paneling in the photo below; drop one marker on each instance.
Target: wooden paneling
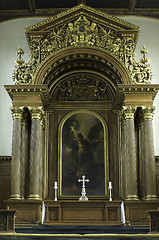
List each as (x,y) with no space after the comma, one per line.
(28,211)
(76,212)
(137,212)
(5,173)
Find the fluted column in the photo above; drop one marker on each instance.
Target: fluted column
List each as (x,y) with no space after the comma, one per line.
(16,153)
(130,161)
(35,154)
(149,161)
(24,153)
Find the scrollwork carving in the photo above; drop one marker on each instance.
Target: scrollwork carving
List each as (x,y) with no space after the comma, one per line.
(23,71)
(82,32)
(141,71)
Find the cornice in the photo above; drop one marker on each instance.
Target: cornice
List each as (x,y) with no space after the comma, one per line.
(29,90)
(81,8)
(145,89)
(5,158)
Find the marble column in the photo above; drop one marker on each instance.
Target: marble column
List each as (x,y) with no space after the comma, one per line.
(122,155)
(141,156)
(24,153)
(130,158)
(42,128)
(149,161)
(35,154)
(17,114)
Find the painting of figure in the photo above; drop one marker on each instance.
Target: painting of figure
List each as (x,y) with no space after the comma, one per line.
(83,154)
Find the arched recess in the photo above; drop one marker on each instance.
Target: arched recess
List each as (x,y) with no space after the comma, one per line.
(76,58)
(83,150)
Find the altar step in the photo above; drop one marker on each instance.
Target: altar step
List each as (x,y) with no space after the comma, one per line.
(43,229)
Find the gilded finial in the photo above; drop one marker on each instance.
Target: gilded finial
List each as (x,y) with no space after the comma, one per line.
(144,51)
(19,52)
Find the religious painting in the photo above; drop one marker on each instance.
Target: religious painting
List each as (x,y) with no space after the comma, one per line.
(83,152)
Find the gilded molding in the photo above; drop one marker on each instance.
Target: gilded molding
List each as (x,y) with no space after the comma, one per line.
(89,9)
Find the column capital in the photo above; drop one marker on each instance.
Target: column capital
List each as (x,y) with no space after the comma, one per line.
(36,112)
(148,112)
(128,112)
(17,112)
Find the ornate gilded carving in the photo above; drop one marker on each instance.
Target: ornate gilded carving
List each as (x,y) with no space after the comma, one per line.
(148,112)
(83,88)
(36,112)
(82,31)
(23,71)
(141,71)
(128,112)
(17,112)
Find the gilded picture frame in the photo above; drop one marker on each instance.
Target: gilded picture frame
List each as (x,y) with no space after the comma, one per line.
(83,150)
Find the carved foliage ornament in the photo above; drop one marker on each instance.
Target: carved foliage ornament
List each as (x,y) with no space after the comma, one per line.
(82,32)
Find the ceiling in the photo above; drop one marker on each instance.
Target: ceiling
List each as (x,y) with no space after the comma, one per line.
(10,9)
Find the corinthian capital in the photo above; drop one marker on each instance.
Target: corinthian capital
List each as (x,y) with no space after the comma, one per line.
(36,112)
(148,112)
(17,112)
(128,112)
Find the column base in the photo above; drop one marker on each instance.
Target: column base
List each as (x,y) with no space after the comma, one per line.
(34,197)
(132,197)
(15,196)
(150,197)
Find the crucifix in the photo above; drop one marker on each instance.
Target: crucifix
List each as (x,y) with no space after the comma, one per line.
(83,196)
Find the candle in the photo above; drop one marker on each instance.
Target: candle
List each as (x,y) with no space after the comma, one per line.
(110,184)
(55,184)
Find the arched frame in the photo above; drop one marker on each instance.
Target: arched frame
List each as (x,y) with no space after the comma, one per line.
(85,148)
(61,56)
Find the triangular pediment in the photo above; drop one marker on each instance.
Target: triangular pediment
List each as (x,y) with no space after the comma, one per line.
(82,19)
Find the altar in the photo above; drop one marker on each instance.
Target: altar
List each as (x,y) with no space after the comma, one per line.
(82,106)
(83,213)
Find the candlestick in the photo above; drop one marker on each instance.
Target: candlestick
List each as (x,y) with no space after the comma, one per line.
(110,184)
(110,191)
(55,187)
